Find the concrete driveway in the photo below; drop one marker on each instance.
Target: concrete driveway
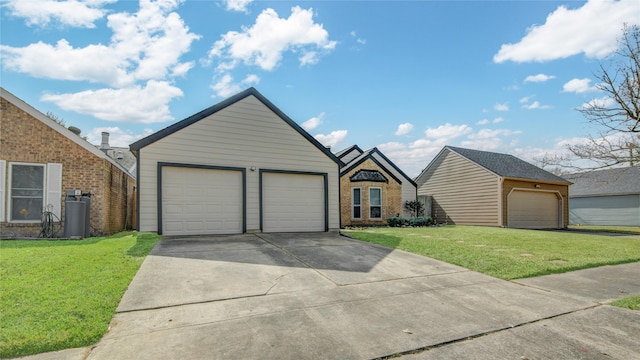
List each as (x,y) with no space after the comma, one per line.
(310,296)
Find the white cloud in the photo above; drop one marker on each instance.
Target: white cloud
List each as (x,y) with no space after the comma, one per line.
(578,86)
(359,40)
(237,5)
(539,78)
(591,29)
(535,105)
(63,62)
(335,138)
(135,104)
(487,121)
(526,99)
(117,136)
(489,140)
(414,156)
(146,45)
(604,102)
(264,43)
(76,13)
(313,123)
(447,132)
(501,107)
(404,129)
(225,86)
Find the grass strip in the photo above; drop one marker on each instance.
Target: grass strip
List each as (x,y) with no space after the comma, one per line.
(61,294)
(632,303)
(507,253)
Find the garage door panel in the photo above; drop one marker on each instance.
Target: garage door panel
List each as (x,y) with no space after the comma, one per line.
(533,210)
(199,201)
(293,202)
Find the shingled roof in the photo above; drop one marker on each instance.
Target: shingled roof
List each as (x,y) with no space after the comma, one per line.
(506,165)
(620,181)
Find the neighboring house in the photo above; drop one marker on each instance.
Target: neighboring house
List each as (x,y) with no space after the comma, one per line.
(40,160)
(605,197)
(474,187)
(372,188)
(239,166)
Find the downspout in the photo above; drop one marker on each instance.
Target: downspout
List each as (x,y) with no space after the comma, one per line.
(501,202)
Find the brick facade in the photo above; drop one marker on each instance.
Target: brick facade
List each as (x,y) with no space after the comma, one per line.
(26,139)
(391,196)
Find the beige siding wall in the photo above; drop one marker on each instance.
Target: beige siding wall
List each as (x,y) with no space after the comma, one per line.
(462,192)
(244,134)
(508,185)
(408,189)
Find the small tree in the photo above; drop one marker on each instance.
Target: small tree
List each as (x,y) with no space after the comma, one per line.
(617,114)
(415,207)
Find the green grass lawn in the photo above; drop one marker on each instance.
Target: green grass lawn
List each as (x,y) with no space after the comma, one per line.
(507,253)
(60,294)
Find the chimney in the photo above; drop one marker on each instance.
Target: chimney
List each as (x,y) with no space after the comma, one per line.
(104,146)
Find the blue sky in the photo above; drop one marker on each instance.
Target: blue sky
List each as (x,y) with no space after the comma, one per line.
(406,76)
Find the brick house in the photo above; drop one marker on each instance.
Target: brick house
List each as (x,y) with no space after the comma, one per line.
(372,188)
(40,160)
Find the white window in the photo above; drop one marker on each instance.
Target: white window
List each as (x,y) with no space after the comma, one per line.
(31,188)
(356,203)
(375,203)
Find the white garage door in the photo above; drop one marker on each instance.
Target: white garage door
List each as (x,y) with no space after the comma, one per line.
(293,203)
(533,210)
(201,201)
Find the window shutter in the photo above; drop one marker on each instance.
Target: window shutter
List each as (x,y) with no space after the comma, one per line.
(3,188)
(54,189)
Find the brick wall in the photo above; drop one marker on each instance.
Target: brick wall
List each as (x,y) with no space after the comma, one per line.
(391,197)
(25,139)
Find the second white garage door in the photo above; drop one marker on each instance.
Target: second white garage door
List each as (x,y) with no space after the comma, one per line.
(198,201)
(293,202)
(533,210)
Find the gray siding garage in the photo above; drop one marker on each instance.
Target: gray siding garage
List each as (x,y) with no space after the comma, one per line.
(605,197)
(239,166)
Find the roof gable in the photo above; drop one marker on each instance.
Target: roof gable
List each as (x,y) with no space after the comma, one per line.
(368,175)
(348,154)
(371,154)
(606,182)
(222,105)
(505,165)
(39,116)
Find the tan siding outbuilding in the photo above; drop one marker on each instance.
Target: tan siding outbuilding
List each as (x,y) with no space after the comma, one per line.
(245,134)
(469,187)
(462,192)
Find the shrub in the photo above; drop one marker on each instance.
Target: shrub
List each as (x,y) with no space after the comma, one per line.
(415,207)
(397,221)
(420,221)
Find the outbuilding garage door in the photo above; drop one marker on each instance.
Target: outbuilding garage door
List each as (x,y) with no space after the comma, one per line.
(199,201)
(293,202)
(533,210)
